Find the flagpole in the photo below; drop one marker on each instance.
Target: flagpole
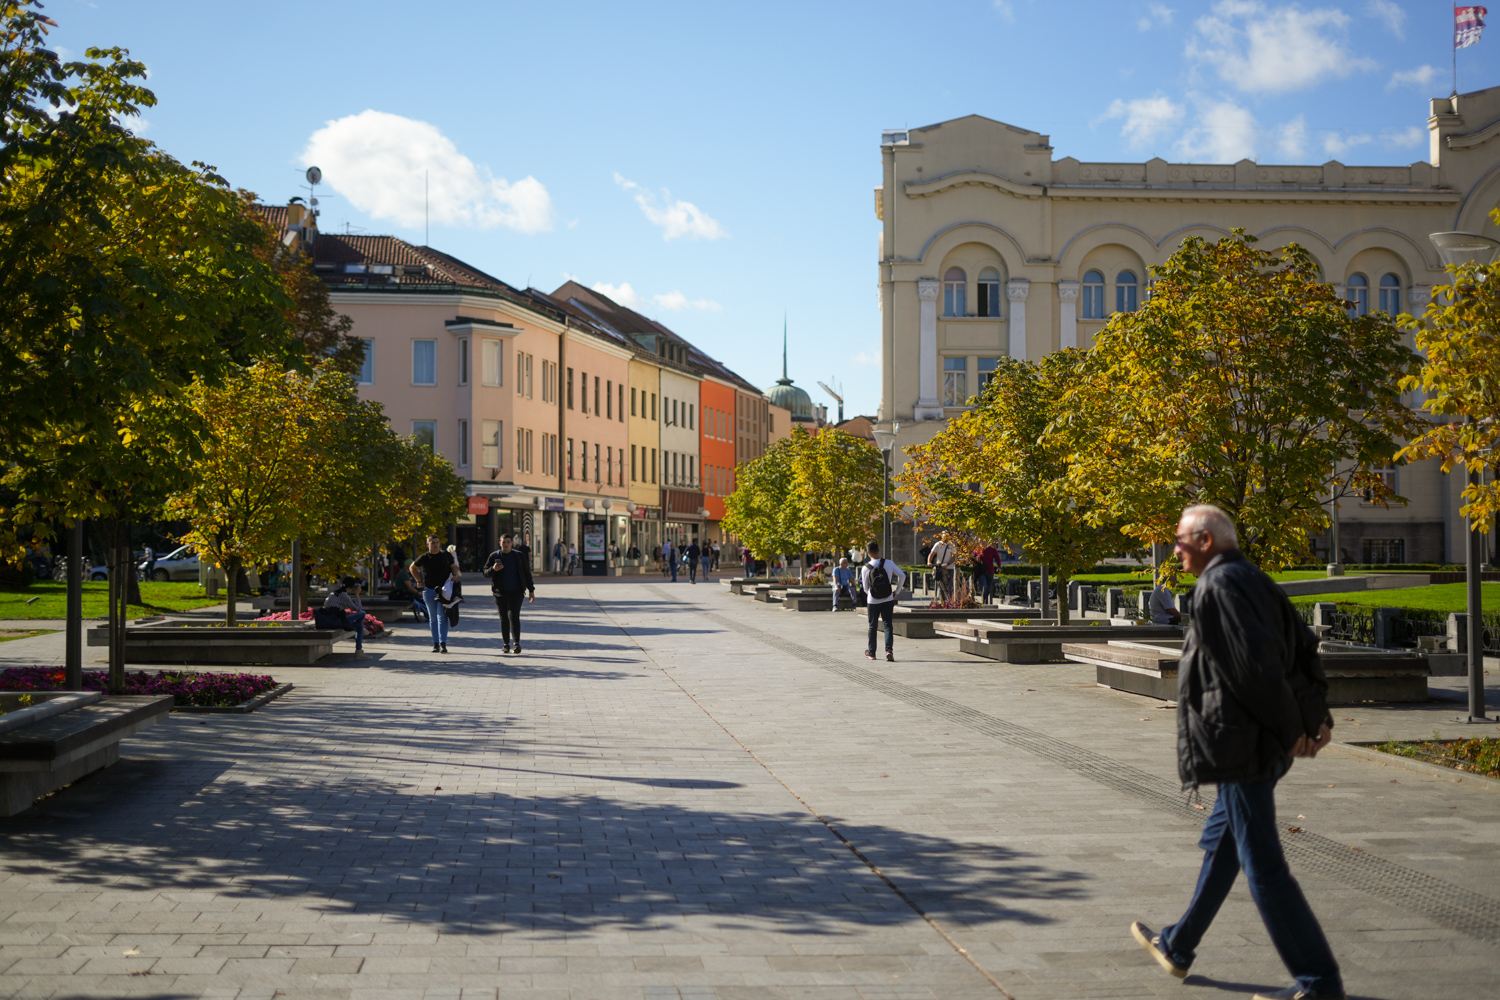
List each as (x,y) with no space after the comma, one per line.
(1455,50)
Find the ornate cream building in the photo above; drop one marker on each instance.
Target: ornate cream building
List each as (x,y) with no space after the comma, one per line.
(993,247)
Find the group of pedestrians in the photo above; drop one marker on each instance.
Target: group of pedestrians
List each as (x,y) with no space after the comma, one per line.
(673,555)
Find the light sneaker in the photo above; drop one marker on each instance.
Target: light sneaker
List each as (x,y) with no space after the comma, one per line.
(1298,993)
(1151,941)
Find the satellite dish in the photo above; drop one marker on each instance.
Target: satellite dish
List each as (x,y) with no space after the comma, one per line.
(314,175)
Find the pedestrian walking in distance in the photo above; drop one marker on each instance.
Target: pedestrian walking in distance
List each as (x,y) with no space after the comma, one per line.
(509,570)
(1251,696)
(882,580)
(669,553)
(706,556)
(690,556)
(435,568)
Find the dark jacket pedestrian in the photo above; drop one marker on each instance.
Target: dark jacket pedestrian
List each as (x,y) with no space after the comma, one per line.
(691,556)
(509,573)
(1251,695)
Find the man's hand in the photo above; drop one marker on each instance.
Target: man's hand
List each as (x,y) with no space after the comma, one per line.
(531,597)
(1306,746)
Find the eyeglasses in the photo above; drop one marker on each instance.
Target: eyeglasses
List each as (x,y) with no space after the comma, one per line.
(1188,538)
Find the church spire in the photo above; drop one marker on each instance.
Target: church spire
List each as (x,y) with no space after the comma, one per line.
(783,346)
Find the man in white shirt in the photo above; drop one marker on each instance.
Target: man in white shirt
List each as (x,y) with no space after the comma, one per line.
(882,580)
(1164,607)
(941,558)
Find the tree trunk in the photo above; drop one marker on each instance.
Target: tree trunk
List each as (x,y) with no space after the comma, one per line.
(117,606)
(232,585)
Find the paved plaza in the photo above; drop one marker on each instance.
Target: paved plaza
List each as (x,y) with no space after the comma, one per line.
(678,793)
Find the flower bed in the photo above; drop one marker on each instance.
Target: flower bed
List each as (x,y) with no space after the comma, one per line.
(1481,756)
(373,625)
(187,687)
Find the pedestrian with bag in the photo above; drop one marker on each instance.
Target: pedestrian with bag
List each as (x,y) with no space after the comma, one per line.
(435,568)
(882,580)
(342,609)
(1251,696)
(942,558)
(509,572)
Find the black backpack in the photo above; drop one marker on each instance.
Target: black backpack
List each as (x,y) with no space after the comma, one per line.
(880,581)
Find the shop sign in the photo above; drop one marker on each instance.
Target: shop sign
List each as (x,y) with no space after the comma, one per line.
(647,514)
(479,505)
(554,503)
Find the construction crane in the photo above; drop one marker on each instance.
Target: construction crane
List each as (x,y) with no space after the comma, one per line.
(837,397)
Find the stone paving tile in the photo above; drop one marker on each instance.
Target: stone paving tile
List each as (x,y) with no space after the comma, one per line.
(636,809)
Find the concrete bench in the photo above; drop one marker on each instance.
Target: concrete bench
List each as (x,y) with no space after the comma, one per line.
(64,737)
(916,622)
(807,599)
(766,593)
(1039,640)
(387,611)
(181,643)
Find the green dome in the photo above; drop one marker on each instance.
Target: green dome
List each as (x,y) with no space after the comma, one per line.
(789,397)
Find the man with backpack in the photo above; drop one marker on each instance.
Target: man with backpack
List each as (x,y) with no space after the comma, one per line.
(882,581)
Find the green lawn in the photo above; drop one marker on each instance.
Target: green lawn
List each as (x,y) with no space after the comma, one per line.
(6,635)
(1445,597)
(1185,580)
(53,600)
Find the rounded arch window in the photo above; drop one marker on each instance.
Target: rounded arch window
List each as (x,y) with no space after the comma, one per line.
(989,292)
(1358,294)
(955,286)
(1127,292)
(1093,295)
(1390,294)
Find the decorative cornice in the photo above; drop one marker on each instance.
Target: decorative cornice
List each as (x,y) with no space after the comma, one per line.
(1067,291)
(927,289)
(974,178)
(1345,196)
(1471,139)
(1017,288)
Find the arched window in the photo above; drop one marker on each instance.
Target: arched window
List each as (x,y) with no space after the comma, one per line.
(1093,295)
(989,292)
(954,285)
(1127,290)
(1358,292)
(1390,294)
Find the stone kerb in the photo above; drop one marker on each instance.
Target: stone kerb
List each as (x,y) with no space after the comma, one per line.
(251,643)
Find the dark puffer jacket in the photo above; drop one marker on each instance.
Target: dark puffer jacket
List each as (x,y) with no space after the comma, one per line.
(1249,683)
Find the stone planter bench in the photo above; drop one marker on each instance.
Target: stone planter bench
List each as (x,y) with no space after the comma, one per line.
(65,737)
(769,592)
(741,585)
(807,599)
(1355,673)
(387,611)
(1041,640)
(182,643)
(916,622)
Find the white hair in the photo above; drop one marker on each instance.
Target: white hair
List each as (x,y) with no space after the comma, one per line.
(1207,517)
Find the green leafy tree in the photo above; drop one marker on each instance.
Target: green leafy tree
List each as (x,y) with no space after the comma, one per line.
(1241,382)
(838,478)
(765,510)
(1459,335)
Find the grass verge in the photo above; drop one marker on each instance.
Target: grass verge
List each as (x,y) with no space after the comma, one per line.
(52,600)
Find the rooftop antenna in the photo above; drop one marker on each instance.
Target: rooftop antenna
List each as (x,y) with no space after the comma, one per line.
(784,377)
(314,178)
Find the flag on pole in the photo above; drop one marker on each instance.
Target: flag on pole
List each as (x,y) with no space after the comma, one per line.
(1468,22)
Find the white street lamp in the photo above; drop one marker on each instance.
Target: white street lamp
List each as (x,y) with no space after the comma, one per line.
(1456,249)
(885,440)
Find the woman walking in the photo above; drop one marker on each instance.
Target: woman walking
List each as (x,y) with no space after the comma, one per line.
(510,581)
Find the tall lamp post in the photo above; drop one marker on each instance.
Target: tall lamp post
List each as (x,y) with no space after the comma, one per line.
(1455,249)
(885,440)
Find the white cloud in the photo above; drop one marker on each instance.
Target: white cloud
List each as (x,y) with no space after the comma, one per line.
(868,359)
(675,218)
(1291,138)
(378,161)
(1146,118)
(1420,77)
(676,301)
(1005,10)
(1259,49)
(1224,132)
(1391,13)
(1156,13)
(1336,144)
(673,301)
(1412,135)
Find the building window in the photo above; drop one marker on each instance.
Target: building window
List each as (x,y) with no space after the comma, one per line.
(986,371)
(609,465)
(633,478)
(463,361)
(493,361)
(653,464)
(424,432)
(1388,476)
(424,362)
(989,292)
(955,381)
(621,406)
(597,411)
(570,458)
(1384,550)
(609,400)
(1127,290)
(1358,294)
(954,286)
(583,391)
(570,388)
(691,413)
(1390,294)
(489,444)
(632,401)
(653,406)
(596,458)
(1093,295)
(463,444)
(367,364)
(548,371)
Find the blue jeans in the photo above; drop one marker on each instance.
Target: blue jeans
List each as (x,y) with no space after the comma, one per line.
(674,569)
(356,621)
(437,616)
(1240,832)
(880,613)
(988,580)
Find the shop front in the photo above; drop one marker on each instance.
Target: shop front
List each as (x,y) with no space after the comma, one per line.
(684,519)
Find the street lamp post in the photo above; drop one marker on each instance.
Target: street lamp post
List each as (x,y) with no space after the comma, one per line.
(885,440)
(1456,249)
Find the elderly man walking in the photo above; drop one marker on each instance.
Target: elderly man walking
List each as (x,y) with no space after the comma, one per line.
(1251,695)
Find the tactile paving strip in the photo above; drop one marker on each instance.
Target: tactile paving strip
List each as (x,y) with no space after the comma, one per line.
(1442,902)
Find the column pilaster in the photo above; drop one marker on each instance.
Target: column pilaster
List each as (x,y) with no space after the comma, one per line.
(929,406)
(1067,294)
(1017,290)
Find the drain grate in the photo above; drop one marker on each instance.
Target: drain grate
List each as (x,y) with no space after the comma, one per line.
(1442,902)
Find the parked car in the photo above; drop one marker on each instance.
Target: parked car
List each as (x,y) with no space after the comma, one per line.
(179,564)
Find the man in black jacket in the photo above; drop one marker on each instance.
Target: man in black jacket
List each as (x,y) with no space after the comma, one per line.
(1251,695)
(509,571)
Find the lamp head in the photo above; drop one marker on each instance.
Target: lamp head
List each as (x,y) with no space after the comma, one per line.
(1465,248)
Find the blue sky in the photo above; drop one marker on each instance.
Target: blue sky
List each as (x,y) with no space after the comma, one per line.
(719,160)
